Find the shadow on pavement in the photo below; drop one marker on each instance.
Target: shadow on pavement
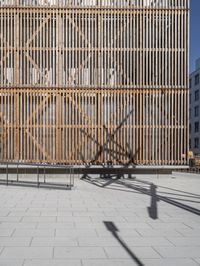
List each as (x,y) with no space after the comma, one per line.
(150,189)
(114,231)
(153,209)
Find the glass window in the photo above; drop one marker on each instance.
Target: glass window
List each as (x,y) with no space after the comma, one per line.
(197,79)
(196,142)
(190,84)
(190,128)
(196,111)
(190,146)
(196,95)
(196,127)
(190,113)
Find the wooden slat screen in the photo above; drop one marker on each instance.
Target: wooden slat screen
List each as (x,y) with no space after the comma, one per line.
(94,81)
(98,3)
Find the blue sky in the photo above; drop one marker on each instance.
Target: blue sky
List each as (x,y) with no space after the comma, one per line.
(194,32)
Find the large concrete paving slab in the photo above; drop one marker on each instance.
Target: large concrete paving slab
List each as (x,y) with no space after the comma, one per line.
(146,220)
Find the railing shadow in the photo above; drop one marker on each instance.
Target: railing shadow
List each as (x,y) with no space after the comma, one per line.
(150,189)
(114,231)
(153,209)
(159,197)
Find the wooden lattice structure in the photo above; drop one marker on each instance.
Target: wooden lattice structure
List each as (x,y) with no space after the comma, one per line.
(94,81)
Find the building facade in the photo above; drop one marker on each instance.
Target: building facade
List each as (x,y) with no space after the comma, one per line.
(94,81)
(194,111)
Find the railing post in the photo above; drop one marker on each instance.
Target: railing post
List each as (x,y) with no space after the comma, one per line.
(38,176)
(7,174)
(17,171)
(44,174)
(70,177)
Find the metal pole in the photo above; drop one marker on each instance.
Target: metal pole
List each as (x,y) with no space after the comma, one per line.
(7,174)
(38,176)
(44,174)
(70,182)
(73,176)
(17,171)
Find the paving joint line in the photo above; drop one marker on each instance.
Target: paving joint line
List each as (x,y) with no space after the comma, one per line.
(154,248)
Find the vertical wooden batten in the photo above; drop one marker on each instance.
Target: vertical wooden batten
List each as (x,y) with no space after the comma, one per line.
(94,81)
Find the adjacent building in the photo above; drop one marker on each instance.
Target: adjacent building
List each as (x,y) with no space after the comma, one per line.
(194,111)
(94,81)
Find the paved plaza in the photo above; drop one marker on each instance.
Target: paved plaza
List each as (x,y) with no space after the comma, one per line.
(143,220)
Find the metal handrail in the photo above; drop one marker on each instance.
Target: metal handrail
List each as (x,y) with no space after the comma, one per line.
(39,166)
(36,164)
